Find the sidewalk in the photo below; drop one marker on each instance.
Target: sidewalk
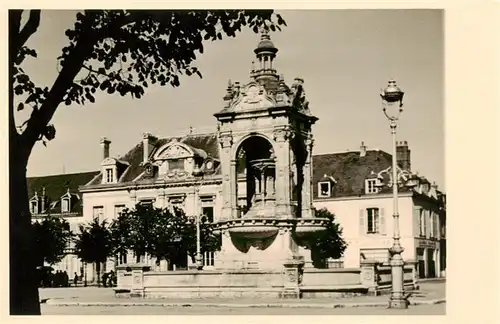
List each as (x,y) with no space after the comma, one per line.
(430,293)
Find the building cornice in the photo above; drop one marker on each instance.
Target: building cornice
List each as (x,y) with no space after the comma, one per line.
(363,197)
(153,185)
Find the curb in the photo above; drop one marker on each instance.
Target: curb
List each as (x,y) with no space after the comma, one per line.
(235,305)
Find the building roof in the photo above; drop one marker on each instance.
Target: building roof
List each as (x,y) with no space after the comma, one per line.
(57,186)
(349,170)
(205,142)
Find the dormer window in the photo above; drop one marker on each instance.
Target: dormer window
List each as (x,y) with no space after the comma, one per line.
(34,207)
(176,164)
(112,169)
(324,189)
(371,186)
(325,186)
(65,205)
(109,175)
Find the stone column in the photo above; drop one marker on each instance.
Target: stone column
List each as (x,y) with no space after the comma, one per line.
(137,289)
(293,273)
(162,197)
(233,178)
(307,184)
(369,276)
(133,198)
(120,276)
(281,136)
(226,142)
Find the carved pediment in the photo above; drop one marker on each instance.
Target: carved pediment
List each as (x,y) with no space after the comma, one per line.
(108,161)
(175,151)
(253,96)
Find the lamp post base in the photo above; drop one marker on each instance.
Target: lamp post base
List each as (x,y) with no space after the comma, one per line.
(399,303)
(199,261)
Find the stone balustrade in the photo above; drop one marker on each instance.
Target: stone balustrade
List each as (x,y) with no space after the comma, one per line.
(294,281)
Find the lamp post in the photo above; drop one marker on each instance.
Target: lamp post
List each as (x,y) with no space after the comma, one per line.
(392,106)
(198,174)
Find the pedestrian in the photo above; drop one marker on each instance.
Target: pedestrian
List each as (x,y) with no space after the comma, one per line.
(105,279)
(65,279)
(75,280)
(112,279)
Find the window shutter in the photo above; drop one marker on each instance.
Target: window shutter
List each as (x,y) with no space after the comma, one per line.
(416,221)
(428,224)
(362,222)
(381,216)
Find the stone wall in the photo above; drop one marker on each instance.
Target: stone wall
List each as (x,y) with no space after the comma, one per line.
(293,282)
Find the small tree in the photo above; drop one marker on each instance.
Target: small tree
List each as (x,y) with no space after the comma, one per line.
(175,237)
(165,234)
(93,244)
(327,244)
(52,237)
(120,229)
(140,223)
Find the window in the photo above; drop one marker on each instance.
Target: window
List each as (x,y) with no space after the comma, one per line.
(176,202)
(65,205)
(372,220)
(147,202)
(109,175)
(118,210)
(324,189)
(435,225)
(98,213)
(371,186)
(176,164)
(209,213)
(34,207)
(431,224)
(422,223)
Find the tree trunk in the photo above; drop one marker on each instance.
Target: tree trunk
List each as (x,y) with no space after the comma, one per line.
(98,270)
(85,274)
(24,297)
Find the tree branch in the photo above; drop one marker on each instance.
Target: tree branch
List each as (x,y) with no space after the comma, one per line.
(29,28)
(14,25)
(72,65)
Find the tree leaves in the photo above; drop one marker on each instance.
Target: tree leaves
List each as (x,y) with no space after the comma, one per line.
(328,244)
(52,237)
(162,233)
(93,243)
(131,49)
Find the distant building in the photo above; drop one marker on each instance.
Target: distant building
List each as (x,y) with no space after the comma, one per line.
(58,196)
(346,184)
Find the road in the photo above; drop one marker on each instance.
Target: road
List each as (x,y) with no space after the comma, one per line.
(439,309)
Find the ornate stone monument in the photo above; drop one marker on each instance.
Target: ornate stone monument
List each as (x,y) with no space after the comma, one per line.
(266,148)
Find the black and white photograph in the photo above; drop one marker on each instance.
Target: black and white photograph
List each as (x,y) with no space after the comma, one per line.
(227,162)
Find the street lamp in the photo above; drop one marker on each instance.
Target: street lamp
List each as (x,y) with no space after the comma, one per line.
(198,174)
(392,106)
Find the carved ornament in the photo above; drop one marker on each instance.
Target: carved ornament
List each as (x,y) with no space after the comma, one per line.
(252,96)
(281,135)
(226,140)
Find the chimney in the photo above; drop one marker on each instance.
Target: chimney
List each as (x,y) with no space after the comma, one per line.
(403,155)
(147,146)
(362,149)
(105,147)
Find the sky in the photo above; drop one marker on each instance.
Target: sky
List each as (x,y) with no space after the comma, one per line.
(344,56)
